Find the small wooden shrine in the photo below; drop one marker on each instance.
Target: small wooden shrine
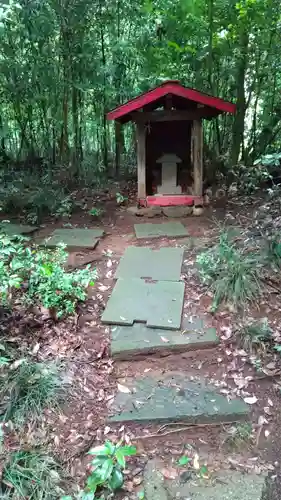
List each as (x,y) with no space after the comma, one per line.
(169,128)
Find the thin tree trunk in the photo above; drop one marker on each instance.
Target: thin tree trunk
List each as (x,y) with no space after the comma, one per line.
(104,121)
(239,118)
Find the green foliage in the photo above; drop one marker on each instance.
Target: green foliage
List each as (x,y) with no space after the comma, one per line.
(109,461)
(121,199)
(96,211)
(107,466)
(273,251)
(239,435)
(33,275)
(255,335)
(251,178)
(231,272)
(269,160)
(35,198)
(184,460)
(30,474)
(27,388)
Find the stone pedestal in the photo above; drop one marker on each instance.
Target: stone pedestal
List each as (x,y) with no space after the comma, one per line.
(169,174)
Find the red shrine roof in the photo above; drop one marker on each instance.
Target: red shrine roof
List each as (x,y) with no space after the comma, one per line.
(182,98)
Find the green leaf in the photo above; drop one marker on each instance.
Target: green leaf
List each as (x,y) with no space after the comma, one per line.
(101,451)
(128,451)
(93,481)
(116,480)
(88,496)
(119,457)
(105,470)
(204,470)
(184,460)
(110,447)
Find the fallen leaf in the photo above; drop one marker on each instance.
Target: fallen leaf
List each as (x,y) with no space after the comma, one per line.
(267,410)
(36,348)
(129,486)
(109,263)
(196,464)
(164,339)
(137,481)
(251,400)
(57,441)
(107,429)
(17,363)
(169,473)
(103,288)
(123,388)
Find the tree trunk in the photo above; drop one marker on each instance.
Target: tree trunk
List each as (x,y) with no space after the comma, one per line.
(239,118)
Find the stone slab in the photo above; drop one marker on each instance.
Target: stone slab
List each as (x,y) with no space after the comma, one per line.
(163,264)
(128,342)
(145,211)
(159,304)
(174,397)
(193,243)
(154,486)
(76,237)
(17,229)
(167,229)
(177,211)
(227,485)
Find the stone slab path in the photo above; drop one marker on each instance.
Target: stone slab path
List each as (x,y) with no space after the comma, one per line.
(227,485)
(17,229)
(169,229)
(159,304)
(138,340)
(142,262)
(174,397)
(75,238)
(146,318)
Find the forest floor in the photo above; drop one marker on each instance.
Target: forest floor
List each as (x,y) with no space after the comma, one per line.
(82,344)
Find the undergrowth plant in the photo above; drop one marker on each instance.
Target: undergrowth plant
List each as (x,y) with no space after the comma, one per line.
(37,276)
(121,199)
(35,201)
(31,475)
(273,251)
(27,388)
(239,435)
(231,272)
(255,336)
(96,212)
(107,467)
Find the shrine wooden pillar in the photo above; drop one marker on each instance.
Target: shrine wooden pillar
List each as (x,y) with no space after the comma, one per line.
(141,163)
(197,156)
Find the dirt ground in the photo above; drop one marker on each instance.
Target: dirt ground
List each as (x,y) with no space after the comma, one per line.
(83,346)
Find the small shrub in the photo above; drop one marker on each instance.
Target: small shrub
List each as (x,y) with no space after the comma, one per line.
(120,198)
(36,276)
(273,251)
(250,178)
(53,287)
(231,272)
(30,474)
(35,200)
(108,464)
(96,212)
(255,336)
(28,388)
(239,435)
